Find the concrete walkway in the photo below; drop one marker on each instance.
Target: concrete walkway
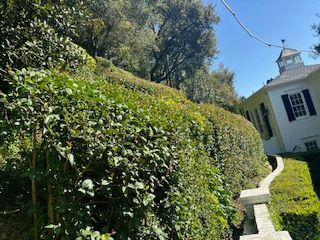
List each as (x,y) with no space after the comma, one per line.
(258,224)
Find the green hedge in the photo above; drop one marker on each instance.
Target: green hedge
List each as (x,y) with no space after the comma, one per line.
(124,157)
(295,205)
(232,142)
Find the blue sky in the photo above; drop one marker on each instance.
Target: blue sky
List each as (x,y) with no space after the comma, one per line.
(272,20)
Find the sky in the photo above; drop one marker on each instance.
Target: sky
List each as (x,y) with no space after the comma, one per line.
(271,20)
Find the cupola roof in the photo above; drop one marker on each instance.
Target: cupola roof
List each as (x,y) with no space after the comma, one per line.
(286,52)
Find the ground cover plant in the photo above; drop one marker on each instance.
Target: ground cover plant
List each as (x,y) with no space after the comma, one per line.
(295,205)
(113,156)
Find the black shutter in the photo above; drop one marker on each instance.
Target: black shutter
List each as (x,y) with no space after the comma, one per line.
(266,119)
(309,102)
(287,105)
(248,116)
(241,112)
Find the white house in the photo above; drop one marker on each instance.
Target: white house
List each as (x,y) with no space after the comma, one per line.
(286,111)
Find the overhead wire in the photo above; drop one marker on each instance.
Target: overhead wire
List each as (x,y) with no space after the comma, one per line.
(256,37)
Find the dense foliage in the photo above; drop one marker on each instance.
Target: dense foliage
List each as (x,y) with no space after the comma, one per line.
(295,205)
(316,29)
(213,87)
(109,154)
(32,36)
(164,41)
(171,42)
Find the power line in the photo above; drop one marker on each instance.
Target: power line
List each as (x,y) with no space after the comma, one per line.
(254,36)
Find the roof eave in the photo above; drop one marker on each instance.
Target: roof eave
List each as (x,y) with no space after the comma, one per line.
(280,56)
(285,83)
(255,94)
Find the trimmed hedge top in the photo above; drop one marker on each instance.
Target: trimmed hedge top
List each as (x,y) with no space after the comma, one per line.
(295,205)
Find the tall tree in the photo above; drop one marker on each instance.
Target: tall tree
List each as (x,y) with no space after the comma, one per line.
(185,40)
(161,40)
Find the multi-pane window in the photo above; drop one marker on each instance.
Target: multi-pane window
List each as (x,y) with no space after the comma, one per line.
(281,63)
(289,61)
(297,59)
(311,145)
(253,120)
(260,128)
(297,104)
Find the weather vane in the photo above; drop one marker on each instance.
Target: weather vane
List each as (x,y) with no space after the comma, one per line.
(283,42)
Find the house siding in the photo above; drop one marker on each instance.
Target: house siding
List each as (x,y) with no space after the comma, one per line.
(273,144)
(314,81)
(306,128)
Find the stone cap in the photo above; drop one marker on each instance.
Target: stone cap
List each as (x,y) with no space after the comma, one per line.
(255,196)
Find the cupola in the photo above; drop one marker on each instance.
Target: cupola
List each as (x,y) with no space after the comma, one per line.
(289,59)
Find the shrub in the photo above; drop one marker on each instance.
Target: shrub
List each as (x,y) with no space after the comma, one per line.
(127,158)
(29,40)
(295,206)
(233,144)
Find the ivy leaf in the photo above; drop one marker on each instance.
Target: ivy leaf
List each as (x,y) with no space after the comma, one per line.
(139,185)
(68,91)
(71,159)
(51,226)
(160,233)
(87,184)
(104,182)
(130,214)
(87,187)
(148,199)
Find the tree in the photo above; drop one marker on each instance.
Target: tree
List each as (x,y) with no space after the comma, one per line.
(224,75)
(164,41)
(213,87)
(316,28)
(185,40)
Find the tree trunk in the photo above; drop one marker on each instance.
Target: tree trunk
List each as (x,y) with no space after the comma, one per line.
(34,185)
(50,208)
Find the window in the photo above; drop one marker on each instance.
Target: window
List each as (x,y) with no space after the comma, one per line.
(248,116)
(258,121)
(264,113)
(297,104)
(281,64)
(242,112)
(311,145)
(253,120)
(289,61)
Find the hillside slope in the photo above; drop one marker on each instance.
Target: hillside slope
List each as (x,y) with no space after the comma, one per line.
(115,155)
